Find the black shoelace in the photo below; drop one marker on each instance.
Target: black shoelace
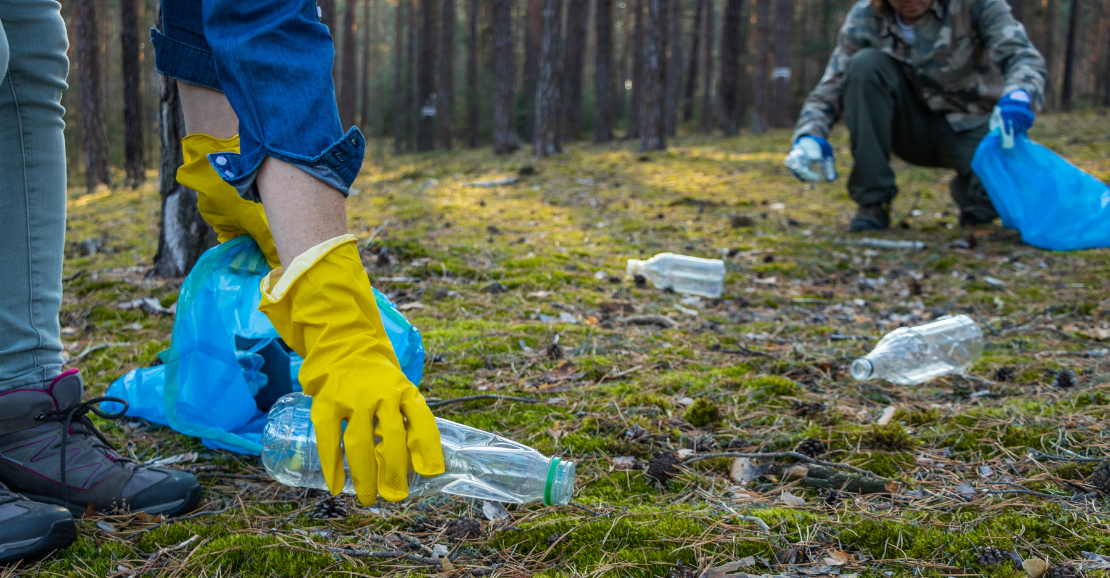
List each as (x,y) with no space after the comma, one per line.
(79,412)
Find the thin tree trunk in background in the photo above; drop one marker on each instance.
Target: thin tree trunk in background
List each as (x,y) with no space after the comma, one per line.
(636,101)
(548,102)
(472,115)
(574,66)
(603,73)
(780,110)
(729,85)
(653,134)
(623,73)
(762,63)
(412,106)
(505,139)
(707,76)
(1106,89)
(348,76)
(327,18)
(426,130)
(367,43)
(674,68)
(1069,56)
(533,17)
(445,93)
(97,170)
(692,68)
(1048,51)
(399,103)
(134,167)
(1017,8)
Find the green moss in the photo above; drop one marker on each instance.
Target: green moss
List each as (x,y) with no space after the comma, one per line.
(702,413)
(646,399)
(773,385)
(890,437)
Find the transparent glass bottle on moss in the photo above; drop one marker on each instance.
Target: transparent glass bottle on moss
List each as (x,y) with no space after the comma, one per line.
(683,274)
(479,464)
(914,355)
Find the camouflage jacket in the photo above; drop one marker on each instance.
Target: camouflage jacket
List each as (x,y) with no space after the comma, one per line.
(966,54)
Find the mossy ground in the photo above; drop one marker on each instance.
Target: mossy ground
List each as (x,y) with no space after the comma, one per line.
(556,242)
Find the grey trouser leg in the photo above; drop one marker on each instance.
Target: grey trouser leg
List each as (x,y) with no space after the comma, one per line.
(33,69)
(884,115)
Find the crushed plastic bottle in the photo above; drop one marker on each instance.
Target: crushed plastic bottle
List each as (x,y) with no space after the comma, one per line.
(479,464)
(913,355)
(683,274)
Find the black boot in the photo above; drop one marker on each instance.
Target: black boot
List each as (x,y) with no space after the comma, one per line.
(31,529)
(874,217)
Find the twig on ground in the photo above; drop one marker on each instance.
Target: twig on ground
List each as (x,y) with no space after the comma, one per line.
(94,348)
(794,455)
(392,554)
(745,351)
(178,519)
(367,243)
(443,402)
(1065,458)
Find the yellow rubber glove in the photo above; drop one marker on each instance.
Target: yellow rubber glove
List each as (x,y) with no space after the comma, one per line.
(219,203)
(324,308)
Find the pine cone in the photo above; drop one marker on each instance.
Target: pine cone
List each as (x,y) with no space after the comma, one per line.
(831,497)
(662,467)
(803,409)
(1063,571)
(1004,374)
(554,352)
(1064,379)
(463,529)
(1100,479)
(680,570)
(991,556)
(812,448)
(330,507)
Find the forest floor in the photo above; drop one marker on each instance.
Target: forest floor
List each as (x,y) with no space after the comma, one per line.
(519,290)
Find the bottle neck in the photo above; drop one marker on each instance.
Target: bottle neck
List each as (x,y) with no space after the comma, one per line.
(560,483)
(862,369)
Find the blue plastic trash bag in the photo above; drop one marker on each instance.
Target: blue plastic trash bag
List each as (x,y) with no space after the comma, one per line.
(1053,203)
(226,365)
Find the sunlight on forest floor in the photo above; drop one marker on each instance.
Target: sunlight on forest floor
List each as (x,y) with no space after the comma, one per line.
(481,271)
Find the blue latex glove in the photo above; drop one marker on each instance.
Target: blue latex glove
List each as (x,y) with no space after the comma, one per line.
(1013,114)
(807,151)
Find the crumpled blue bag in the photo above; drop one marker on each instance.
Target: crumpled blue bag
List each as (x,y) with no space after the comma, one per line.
(214,373)
(1053,203)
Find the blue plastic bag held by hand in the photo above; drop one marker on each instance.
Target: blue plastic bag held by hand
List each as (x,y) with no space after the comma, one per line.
(1053,203)
(225,365)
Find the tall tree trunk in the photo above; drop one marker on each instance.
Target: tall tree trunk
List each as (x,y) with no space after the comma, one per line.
(367,68)
(1017,8)
(729,86)
(784,18)
(445,93)
(505,139)
(707,76)
(574,66)
(327,17)
(134,167)
(1106,89)
(548,101)
(426,131)
(762,63)
(472,114)
(603,73)
(692,68)
(653,135)
(97,170)
(1069,56)
(636,103)
(533,34)
(348,76)
(1048,51)
(412,105)
(623,72)
(674,68)
(400,105)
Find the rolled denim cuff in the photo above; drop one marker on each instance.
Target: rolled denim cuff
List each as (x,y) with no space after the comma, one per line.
(184,62)
(337,165)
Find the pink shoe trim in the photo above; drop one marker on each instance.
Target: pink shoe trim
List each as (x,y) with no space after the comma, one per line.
(62,376)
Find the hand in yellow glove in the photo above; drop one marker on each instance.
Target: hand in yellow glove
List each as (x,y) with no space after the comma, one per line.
(219,203)
(324,308)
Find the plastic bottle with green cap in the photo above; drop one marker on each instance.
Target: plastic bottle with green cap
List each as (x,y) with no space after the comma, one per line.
(479,464)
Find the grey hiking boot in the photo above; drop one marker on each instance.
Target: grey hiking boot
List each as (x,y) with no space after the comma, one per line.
(875,217)
(29,528)
(51,452)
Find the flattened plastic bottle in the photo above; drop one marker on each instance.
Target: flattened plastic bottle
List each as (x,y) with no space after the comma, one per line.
(683,274)
(914,355)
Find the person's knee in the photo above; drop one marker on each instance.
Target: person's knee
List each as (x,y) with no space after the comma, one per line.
(868,64)
(40,56)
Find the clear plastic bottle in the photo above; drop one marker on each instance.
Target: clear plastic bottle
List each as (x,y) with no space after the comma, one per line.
(479,464)
(692,275)
(913,355)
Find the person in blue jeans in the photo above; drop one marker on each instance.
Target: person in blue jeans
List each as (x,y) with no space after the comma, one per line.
(259,107)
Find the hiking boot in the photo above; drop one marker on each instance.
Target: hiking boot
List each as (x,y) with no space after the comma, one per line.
(974,218)
(874,217)
(51,452)
(29,528)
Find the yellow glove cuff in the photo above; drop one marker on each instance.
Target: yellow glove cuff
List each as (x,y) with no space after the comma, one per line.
(275,285)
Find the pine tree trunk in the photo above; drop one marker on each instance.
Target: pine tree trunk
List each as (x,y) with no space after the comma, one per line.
(327,17)
(603,73)
(97,170)
(505,139)
(692,68)
(636,103)
(729,87)
(674,67)
(548,97)
(367,68)
(574,65)
(653,127)
(762,63)
(707,76)
(132,93)
(1048,50)
(533,34)
(445,93)
(623,72)
(399,103)
(412,106)
(1017,8)
(348,76)
(1106,89)
(426,130)
(784,19)
(472,114)
(1069,56)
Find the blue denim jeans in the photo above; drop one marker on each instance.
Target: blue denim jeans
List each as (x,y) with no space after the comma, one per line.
(273,61)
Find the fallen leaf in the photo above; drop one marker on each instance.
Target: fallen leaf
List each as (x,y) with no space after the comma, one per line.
(106,527)
(726,570)
(892,486)
(888,414)
(175,459)
(555,433)
(565,370)
(791,500)
(447,566)
(440,551)
(966,489)
(766,281)
(786,555)
(494,511)
(685,401)
(924,461)
(838,558)
(90,511)
(744,471)
(685,453)
(412,305)
(986,471)
(617,307)
(539,294)
(1035,567)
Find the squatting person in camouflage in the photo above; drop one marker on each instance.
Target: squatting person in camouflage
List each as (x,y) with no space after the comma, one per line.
(919,78)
